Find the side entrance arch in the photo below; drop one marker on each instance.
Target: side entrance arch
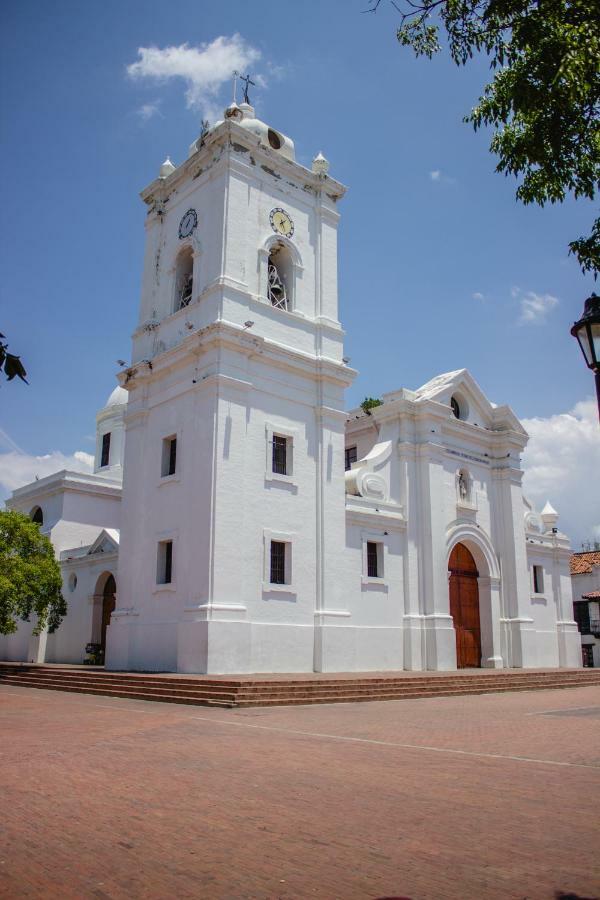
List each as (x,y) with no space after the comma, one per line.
(108,607)
(464,607)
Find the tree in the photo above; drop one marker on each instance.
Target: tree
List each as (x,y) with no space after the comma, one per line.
(544,100)
(30,579)
(369,403)
(11,364)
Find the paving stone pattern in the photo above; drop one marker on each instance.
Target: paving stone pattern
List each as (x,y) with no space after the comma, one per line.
(486,796)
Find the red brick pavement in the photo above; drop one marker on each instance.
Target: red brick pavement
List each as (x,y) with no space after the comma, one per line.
(473,797)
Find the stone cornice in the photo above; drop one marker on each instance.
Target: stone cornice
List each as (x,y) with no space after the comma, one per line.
(65,481)
(222,333)
(234,139)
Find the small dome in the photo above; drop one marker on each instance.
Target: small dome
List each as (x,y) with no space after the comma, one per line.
(118,397)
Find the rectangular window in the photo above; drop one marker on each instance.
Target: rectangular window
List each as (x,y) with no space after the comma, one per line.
(538,580)
(581,614)
(278,562)
(105,455)
(169,456)
(280,448)
(351,457)
(164,569)
(373,560)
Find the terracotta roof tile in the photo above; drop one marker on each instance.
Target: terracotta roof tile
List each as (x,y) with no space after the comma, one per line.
(581,563)
(591,595)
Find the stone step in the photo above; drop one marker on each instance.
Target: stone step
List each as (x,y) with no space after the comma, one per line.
(301,688)
(305,692)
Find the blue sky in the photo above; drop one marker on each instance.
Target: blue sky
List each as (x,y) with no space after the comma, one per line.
(440,268)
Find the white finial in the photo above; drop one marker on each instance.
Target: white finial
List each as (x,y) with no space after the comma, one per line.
(235,77)
(549,516)
(320,165)
(166,168)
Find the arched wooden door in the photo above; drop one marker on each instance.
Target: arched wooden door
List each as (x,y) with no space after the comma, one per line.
(108,607)
(464,607)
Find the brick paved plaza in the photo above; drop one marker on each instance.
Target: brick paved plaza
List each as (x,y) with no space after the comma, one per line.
(492,796)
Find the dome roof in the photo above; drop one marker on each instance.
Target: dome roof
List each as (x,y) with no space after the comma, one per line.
(118,397)
(244,116)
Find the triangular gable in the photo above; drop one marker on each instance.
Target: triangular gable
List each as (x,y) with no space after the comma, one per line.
(106,542)
(442,387)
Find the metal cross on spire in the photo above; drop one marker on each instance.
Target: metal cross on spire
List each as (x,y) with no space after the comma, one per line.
(247,82)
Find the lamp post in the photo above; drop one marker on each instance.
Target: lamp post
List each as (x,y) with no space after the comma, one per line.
(587,332)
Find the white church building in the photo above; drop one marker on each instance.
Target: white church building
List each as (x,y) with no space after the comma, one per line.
(238,518)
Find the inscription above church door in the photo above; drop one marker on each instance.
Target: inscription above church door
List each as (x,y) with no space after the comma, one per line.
(464,607)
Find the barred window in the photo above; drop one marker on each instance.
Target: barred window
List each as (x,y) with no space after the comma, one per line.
(279,455)
(351,455)
(372,560)
(278,562)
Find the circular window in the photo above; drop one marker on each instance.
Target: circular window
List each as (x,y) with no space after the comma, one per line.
(72,581)
(455,407)
(274,139)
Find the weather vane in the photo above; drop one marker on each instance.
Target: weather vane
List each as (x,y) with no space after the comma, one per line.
(247,82)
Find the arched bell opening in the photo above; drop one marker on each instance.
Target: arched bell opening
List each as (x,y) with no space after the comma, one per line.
(184,279)
(280,277)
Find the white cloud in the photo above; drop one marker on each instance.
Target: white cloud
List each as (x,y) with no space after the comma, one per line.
(148,110)
(534,307)
(204,68)
(561,463)
(440,177)
(478,296)
(17,469)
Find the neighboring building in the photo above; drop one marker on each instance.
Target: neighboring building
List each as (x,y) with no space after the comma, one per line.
(244,547)
(585,578)
(81,516)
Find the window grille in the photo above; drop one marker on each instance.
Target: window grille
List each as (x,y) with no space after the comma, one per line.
(277,562)
(372,560)
(185,293)
(279,455)
(351,456)
(105,455)
(276,291)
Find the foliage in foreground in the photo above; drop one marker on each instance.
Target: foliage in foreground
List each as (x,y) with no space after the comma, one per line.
(30,579)
(544,100)
(11,364)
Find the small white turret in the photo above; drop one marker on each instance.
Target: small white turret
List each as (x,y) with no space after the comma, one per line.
(549,516)
(320,165)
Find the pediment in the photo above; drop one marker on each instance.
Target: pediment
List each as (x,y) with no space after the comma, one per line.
(476,407)
(106,542)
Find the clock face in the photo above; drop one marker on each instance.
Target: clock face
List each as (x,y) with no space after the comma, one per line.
(281,222)
(188,223)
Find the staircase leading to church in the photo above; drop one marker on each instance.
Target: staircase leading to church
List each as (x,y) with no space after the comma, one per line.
(282,690)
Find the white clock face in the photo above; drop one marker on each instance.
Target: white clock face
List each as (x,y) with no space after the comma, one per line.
(188,223)
(281,222)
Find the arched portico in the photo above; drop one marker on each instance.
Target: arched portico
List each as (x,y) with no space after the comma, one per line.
(104,606)
(488,582)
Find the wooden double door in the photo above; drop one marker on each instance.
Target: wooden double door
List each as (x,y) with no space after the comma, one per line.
(464,607)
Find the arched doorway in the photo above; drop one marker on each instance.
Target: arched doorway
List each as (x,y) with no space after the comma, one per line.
(108,608)
(464,607)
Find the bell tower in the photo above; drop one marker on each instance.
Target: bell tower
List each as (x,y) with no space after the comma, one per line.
(233,492)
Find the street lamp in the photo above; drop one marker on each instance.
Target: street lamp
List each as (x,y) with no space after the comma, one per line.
(587,332)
